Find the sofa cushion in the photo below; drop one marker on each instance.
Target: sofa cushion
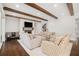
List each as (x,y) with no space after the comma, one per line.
(52,39)
(43,38)
(46,35)
(33,36)
(52,34)
(36,42)
(25,40)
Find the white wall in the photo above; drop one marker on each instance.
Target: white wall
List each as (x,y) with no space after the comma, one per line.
(16,25)
(12,24)
(62,26)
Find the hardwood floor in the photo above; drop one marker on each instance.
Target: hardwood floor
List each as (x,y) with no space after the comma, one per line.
(75,50)
(12,48)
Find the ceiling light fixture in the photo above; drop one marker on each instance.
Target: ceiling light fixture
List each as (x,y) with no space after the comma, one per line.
(17,6)
(55,5)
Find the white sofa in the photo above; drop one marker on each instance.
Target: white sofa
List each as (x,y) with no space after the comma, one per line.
(32,52)
(51,49)
(41,47)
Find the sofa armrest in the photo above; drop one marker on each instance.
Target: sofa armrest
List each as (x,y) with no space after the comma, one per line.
(36,42)
(67,50)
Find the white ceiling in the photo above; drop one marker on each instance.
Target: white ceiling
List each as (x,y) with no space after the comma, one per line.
(58,9)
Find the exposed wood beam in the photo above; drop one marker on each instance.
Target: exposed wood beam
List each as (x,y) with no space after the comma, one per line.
(41,9)
(70,8)
(23,13)
(21,18)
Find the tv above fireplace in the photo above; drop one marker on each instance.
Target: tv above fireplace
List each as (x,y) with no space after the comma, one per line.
(28,24)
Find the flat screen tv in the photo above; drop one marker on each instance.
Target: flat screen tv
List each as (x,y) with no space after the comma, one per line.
(27,24)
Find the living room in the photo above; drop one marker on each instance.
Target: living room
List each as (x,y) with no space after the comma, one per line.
(36,20)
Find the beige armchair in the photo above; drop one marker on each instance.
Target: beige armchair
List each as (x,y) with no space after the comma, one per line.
(51,49)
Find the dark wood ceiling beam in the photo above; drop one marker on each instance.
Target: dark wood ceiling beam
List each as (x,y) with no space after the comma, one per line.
(21,18)
(41,9)
(23,13)
(70,8)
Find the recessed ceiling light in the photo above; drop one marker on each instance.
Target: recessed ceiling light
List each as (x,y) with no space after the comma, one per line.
(55,5)
(17,6)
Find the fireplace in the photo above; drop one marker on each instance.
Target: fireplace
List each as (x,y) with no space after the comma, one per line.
(28,30)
